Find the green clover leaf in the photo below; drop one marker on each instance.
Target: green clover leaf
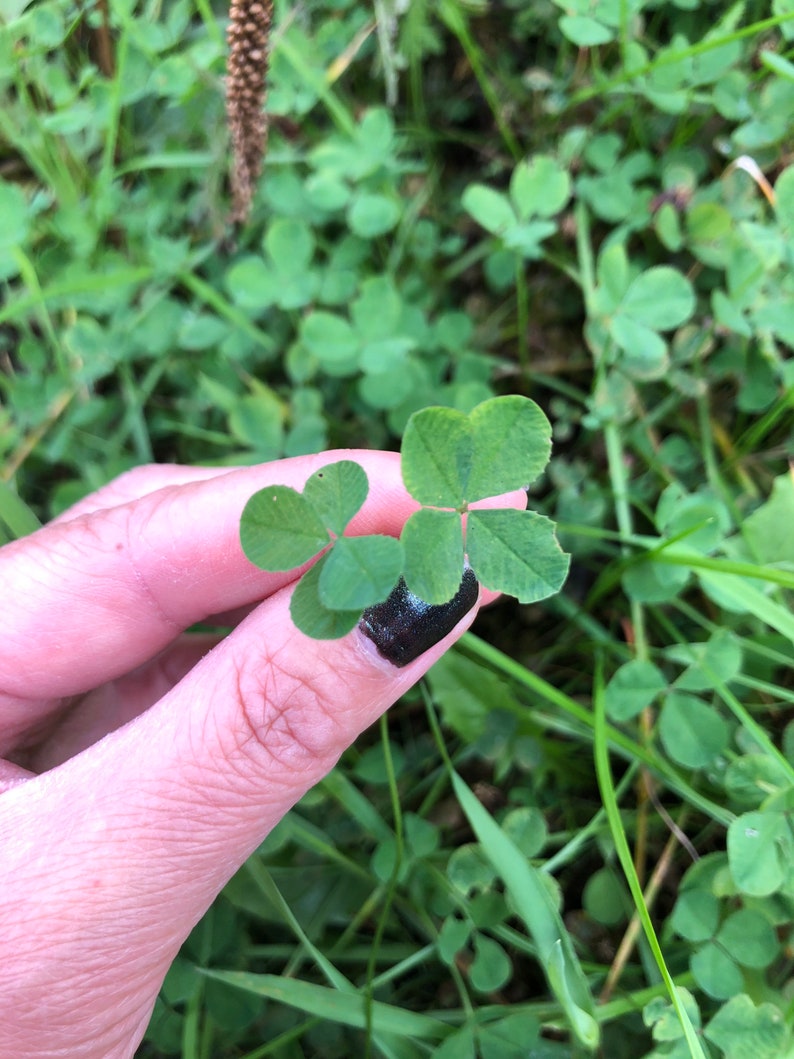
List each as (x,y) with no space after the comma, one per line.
(360,571)
(311,615)
(516,552)
(336,493)
(279,529)
(433,547)
(511,440)
(436,456)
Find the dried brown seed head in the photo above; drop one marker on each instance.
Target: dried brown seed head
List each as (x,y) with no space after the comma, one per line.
(248,37)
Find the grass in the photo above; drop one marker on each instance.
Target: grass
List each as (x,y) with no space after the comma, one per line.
(622,752)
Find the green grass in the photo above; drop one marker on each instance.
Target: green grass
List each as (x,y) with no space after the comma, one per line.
(578,825)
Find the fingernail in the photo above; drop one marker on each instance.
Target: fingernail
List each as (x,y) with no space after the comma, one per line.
(404,626)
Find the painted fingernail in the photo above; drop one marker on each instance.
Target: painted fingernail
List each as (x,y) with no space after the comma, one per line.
(404,626)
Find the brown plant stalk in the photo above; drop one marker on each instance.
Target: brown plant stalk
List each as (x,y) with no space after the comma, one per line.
(248,37)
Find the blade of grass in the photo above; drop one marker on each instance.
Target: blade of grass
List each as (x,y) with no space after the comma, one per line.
(210,296)
(135,414)
(15,513)
(30,277)
(740,712)
(591,629)
(22,127)
(672,57)
(191,160)
(343,985)
(403,966)
(105,177)
(537,908)
(452,16)
(264,881)
(567,853)
(616,461)
(749,598)
(620,742)
(391,885)
(348,1009)
(608,795)
(534,902)
(133,422)
(359,808)
(308,836)
(20,307)
(28,443)
(749,644)
(316,79)
(210,21)
(275,1046)
(663,552)
(638,998)
(745,718)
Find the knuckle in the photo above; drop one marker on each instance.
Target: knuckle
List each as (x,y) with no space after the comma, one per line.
(286,719)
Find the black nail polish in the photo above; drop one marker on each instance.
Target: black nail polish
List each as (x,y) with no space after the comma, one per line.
(404,626)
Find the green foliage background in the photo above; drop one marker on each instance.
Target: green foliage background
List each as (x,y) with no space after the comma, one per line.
(461,199)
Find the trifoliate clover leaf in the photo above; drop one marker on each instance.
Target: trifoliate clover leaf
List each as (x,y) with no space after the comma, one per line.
(740,1028)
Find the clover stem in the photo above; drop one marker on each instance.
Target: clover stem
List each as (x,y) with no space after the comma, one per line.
(617,474)
(617,468)
(522,315)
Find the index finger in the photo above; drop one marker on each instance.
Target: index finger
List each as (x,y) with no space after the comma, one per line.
(98,594)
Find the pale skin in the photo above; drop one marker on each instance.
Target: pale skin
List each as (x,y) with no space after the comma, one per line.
(141,765)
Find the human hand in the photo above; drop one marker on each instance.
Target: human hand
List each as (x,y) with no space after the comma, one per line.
(145,764)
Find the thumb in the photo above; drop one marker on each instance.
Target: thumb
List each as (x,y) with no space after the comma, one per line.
(123,847)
